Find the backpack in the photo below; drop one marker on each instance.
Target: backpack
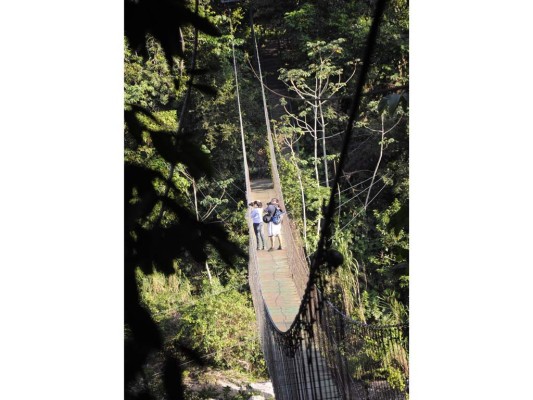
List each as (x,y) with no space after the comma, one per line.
(276,218)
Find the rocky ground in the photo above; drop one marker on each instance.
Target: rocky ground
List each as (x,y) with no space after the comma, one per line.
(227,385)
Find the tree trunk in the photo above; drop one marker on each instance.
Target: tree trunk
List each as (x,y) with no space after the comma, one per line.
(324,153)
(304,215)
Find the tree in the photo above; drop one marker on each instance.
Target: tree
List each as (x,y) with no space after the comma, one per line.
(315,84)
(374,183)
(159,226)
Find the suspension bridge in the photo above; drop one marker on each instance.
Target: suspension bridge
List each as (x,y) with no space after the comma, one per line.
(312,349)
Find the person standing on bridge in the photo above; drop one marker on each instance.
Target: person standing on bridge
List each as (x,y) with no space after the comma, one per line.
(257,220)
(274,229)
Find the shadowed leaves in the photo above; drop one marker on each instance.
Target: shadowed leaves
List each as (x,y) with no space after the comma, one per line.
(140,197)
(199,71)
(159,246)
(172,378)
(400,220)
(163,19)
(205,89)
(148,244)
(135,127)
(191,354)
(182,149)
(142,333)
(391,102)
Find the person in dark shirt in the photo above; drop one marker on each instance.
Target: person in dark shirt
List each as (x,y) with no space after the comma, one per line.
(273,229)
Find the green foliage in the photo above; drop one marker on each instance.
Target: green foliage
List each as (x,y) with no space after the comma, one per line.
(396,312)
(315,196)
(394,243)
(302,19)
(218,321)
(147,83)
(211,392)
(343,283)
(163,294)
(323,64)
(221,323)
(379,359)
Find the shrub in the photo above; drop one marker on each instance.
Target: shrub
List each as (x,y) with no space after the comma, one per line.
(221,324)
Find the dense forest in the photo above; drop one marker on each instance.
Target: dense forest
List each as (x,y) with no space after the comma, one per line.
(188,308)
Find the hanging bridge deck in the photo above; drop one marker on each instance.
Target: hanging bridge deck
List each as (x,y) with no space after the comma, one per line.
(277,284)
(283,302)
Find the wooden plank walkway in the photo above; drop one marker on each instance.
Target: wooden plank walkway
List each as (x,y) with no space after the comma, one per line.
(283,302)
(277,285)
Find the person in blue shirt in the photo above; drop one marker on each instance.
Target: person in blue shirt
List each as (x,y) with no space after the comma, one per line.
(274,230)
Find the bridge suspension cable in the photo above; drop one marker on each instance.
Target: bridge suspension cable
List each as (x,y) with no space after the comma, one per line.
(245,159)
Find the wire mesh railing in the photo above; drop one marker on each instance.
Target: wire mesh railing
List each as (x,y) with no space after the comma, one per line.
(326,355)
(369,361)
